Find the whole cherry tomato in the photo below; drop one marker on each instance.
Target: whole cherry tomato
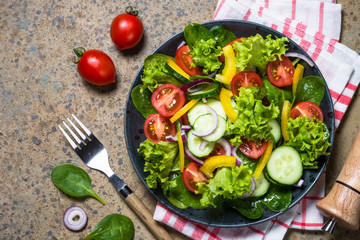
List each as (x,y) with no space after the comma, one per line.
(95,66)
(126,29)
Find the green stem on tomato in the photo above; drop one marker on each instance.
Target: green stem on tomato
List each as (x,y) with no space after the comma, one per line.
(79,51)
(130,10)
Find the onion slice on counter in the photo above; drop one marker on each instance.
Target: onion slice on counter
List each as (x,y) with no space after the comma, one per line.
(252,189)
(192,157)
(212,128)
(196,85)
(226,145)
(238,159)
(75,218)
(302,56)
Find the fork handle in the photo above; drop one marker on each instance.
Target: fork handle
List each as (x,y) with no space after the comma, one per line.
(144,214)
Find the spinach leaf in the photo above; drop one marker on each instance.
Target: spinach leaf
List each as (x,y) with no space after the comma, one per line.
(276,94)
(222,35)
(195,32)
(73,181)
(249,207)
(142,101)
(113,226)
(277,198)
(310,88)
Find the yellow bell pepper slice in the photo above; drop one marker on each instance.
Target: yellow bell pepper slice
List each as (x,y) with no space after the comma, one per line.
(285,115)
(264,159)
(298,75)
(214,162)
(230,66)
(183,110)
(181,151)
(225,99)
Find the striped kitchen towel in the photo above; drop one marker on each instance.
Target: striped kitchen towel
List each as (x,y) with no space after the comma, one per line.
(315,26)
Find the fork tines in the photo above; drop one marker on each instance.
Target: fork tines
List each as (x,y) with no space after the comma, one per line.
(79,142)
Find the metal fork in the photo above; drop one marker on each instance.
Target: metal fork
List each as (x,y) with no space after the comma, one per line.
(93,153)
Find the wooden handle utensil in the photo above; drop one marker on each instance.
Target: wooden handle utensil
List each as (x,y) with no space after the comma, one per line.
(342,204)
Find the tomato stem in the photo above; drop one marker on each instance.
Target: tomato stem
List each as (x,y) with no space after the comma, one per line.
(130,10)
(79,52)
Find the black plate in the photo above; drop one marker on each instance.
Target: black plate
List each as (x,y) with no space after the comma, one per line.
(223,216)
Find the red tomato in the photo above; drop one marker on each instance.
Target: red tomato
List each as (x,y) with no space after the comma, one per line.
(308,109)
(280,73)
(218,150)
(126,29)
(245,79)
(157,127)
(168,99)
(192,175)
(95,66)
(251,149)
(184,60)
(222,58)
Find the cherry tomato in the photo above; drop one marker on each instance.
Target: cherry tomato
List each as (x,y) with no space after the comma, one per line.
(280,73)
(307,109)
(95,66)
(222,58)
(192,175)
(168,99)
(157,127)
(251,149)
(245,79)
(184,60)
(126,29)
(218,150)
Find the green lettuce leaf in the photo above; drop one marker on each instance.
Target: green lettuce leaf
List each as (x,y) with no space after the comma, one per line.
(206,54)
(309,138)
(159,158)
(228,183)
(253,119)
(257,51)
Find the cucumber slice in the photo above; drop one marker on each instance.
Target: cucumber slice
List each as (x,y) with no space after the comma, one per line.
(176,71)
(284,165)
(204,122)
(262,186)
(210,91)
(194,143)
(201,108)
(276,129)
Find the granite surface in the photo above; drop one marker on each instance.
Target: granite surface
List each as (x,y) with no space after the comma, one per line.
(40,86)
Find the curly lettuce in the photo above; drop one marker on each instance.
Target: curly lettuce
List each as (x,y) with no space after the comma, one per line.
(228,183)
(309,138)
(257,51)
(253,118)
(159,158)
(206,53)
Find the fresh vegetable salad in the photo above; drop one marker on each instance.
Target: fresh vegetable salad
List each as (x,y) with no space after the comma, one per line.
(229,120)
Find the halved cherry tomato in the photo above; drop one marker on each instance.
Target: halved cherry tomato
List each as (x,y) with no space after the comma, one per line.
(218,150)
(280,73)
(157,127)
(184,60)
(251,149)
(192,175)
(222,58)
(308,109)
(245,79)
(168,99)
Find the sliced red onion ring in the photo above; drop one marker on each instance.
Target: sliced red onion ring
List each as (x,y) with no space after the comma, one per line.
(203,145)
(226,145)
(183,136)
(196,85)
(192,157)
(75,218)
(302,56)
(238,159)
(171,138)
(212,128)
(299,183)
(181,44)
(186,127)
(252,189)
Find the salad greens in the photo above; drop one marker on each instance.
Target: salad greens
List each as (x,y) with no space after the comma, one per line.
(255,106)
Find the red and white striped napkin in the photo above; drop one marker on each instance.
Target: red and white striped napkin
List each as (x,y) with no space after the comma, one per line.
(314,25)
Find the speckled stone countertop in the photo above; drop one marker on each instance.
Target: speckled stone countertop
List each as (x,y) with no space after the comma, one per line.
(40,86)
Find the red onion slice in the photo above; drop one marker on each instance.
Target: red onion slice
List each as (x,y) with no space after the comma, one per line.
(226,145)
(186,127)
(252,189)
(171,138)
(203,145)
(183,136)
(181,44)
(196,85)
(75,218)
(212,128)
(192,157)
(299,183)
(302,56)
(238,159)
